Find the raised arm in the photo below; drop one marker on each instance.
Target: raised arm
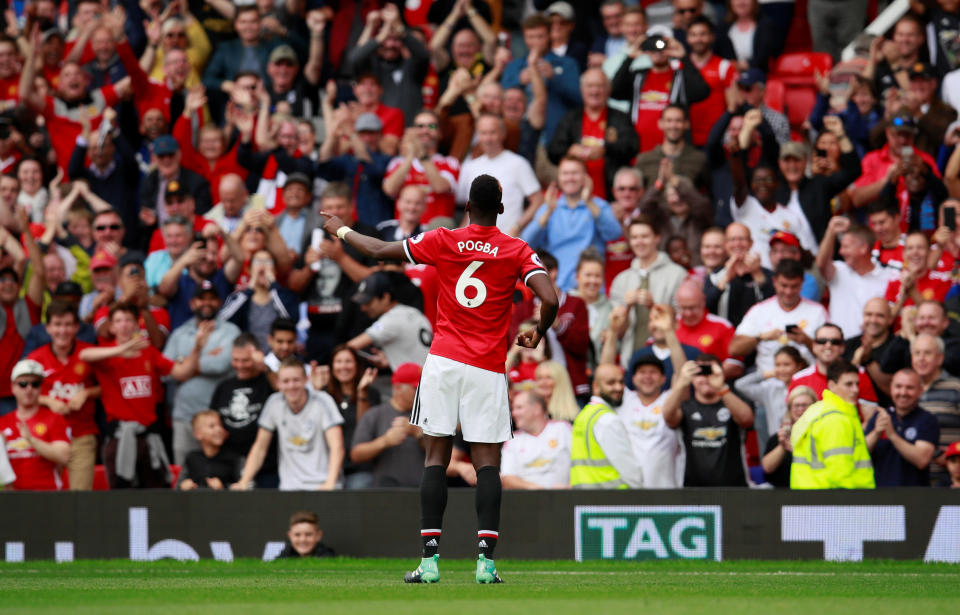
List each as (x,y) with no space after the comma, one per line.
(369,246)
(837,225)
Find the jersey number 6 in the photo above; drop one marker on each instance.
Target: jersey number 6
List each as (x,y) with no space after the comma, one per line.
(465,282)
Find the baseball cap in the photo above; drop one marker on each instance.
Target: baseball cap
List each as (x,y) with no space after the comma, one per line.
(26,367)
(406,373)
(175,190)
(102,259)
(374,286)
(752,76)
(164,145)
(953,450)
(284,52)
(299,178)
(68,289)
(647,359)
(368,122)
(204,287)
(132,257)
(793,149)
(903,120)
(10,271)
(563,9)
(922,70)
(784,237)
(48,34)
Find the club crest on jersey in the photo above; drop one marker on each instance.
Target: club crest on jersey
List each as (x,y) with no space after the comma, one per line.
(478,246)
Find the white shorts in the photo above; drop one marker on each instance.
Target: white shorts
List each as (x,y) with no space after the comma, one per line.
(452,392)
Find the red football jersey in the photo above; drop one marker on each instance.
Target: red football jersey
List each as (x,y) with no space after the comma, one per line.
(719,74)
(437,204)
(62,381)
(889,257)
(159,314)
(617,260)
(128,387)
(711,335)
(33,471)
(593,134)
(477,267)
(935,285)
(654,97)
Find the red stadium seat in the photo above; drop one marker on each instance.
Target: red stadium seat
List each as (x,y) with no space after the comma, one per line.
(796,72)
(775,94)
(175,471)
(99,478)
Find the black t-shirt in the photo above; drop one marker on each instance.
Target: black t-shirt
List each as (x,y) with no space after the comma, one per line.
(714,446)
(781,476)
(348,410)
(239,403)
(883,400)
(398,466)
(225,465)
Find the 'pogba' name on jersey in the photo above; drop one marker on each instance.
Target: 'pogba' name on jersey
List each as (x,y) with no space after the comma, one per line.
(477,246)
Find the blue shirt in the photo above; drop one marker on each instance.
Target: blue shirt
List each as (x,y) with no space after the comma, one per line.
(570,231)
(291,229)
(889,467)
(373,205)
(178,306)
(156,266)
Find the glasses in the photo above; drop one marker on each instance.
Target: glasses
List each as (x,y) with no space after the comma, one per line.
(33,384)
(689,11)
(823,341)
(108,227)
(431,126)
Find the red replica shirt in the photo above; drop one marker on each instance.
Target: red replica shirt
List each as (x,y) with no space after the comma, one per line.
(9,92)
(33,471)
(813,378)
(11,344)
(935,285)
(437,204)
(477,268)
(618,259)
(719,74)
(877,163)
(63,121)
(711,335)
(62,381)
(129,387)
(424,277)
(191,158)
(593,134)
(159,314)
(654,97)
(889,257)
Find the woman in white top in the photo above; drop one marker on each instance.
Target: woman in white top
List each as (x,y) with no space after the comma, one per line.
(750,39)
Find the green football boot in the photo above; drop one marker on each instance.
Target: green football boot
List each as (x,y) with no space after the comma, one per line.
(487,571)
(427,571)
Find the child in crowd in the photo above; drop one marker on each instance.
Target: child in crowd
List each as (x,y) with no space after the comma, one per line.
(768,390)
(212,466)
(953,465)
(305,538)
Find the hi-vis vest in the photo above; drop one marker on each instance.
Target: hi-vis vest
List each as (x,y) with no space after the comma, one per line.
(829,450)
(589,467)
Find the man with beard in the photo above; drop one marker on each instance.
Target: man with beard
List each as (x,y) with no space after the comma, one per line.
(686,161)
(601,456)
(719,73)
(240,399)
(867,349)
(214,363)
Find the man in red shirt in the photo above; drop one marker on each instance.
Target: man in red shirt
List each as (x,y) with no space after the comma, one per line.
(917,282)
(419,164)
(69,390)
(719,74)
(883,217)
(129,372)
(463,377)
(701,329)
(36,439)
(154,320)
(828,347)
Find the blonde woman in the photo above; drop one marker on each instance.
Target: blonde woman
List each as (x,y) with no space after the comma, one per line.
(553,384)
(778,454)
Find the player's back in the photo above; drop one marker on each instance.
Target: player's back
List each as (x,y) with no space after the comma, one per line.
(478,267)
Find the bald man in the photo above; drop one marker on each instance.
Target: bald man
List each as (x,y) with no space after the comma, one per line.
(941,393)
(742,282)
(699,328)
(234,200)
(867,349)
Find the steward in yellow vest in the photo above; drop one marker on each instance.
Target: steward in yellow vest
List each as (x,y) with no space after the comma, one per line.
(829,449)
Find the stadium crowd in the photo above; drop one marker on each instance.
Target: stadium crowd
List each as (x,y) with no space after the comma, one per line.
(742,297)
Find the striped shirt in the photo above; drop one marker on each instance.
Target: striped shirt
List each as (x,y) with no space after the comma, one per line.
(942,400)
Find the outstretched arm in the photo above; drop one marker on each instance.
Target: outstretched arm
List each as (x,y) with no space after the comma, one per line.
(369,246)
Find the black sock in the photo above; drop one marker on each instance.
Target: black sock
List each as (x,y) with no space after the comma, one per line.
(488,509)
(433,501)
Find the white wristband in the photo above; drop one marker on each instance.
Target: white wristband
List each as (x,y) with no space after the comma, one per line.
(343,230)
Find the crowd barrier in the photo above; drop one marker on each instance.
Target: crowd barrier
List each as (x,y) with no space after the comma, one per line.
(710,524)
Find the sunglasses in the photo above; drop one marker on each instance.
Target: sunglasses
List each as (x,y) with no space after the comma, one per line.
(108,227)
(690,11)
(8,279)
(33,384)
(431,126)
(832,341)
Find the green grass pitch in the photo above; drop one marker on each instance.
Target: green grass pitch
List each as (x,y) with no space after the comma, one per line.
(355,586)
